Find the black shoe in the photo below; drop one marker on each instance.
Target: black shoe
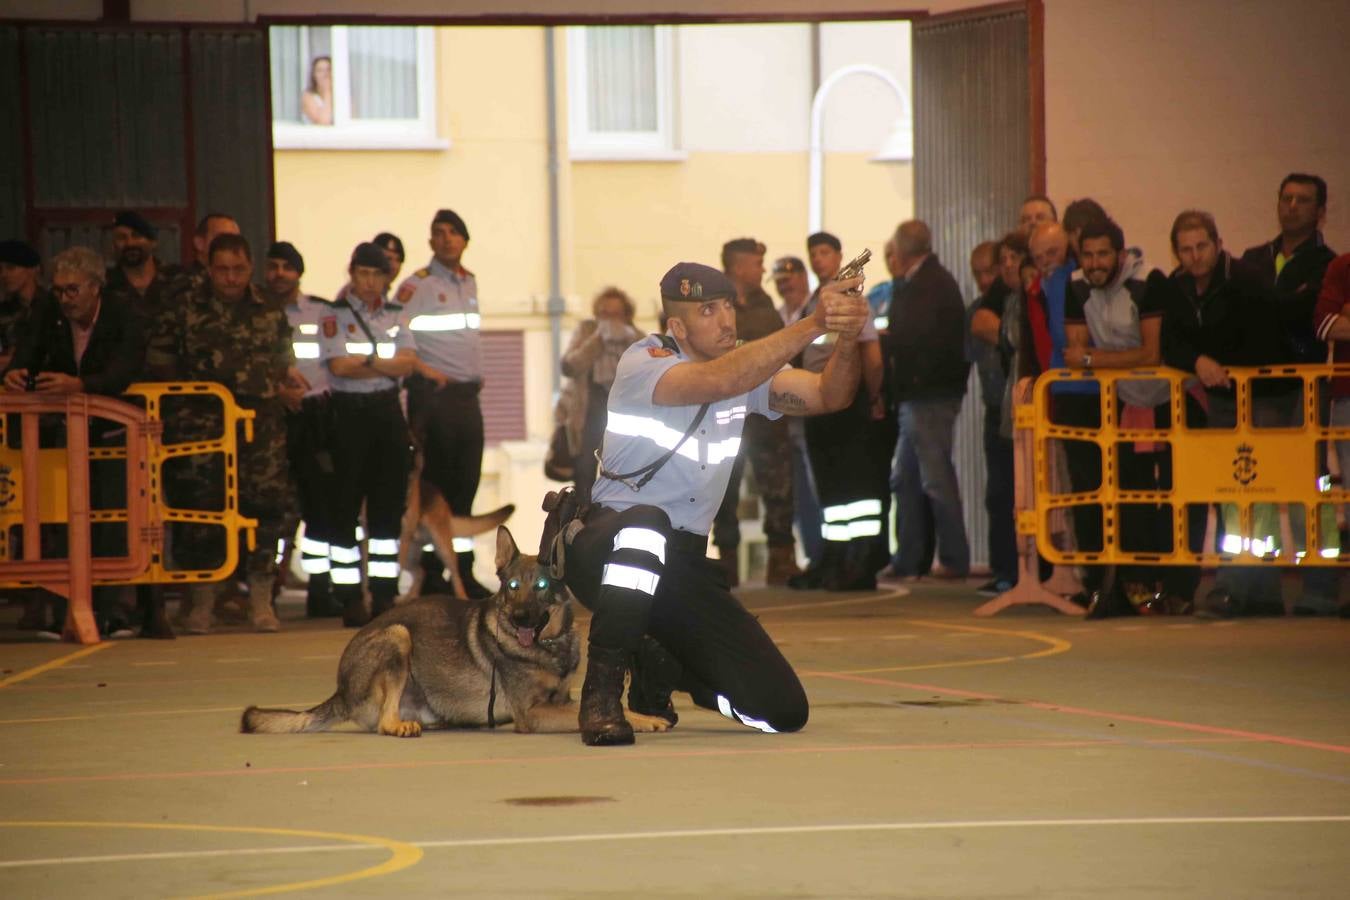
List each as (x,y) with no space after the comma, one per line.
(319,601)
(809,580)
(601,717)
(654,676)
(354,613)
(1217,604)
(994,587)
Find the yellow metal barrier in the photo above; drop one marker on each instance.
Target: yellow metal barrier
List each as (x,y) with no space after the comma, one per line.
(1243,468)
(49,485)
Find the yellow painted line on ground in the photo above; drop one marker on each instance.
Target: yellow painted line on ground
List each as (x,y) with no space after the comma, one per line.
(401,854)
(145,712)
(1053,647)
(52,664)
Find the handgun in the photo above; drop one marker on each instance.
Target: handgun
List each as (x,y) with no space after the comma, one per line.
(853,268)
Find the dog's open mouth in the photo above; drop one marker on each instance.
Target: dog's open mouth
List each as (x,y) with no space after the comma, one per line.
(525,636)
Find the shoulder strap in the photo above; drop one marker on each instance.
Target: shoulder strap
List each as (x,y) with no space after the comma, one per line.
(646,473)
(364,327)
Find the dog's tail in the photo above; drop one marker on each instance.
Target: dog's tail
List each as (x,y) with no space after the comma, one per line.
(330,712)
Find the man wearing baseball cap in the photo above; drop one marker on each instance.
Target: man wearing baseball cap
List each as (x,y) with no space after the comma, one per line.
(676,413)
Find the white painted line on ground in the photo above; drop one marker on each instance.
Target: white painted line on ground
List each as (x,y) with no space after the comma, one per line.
(827,640)
(605,837)
(324,656)
(241,659)
(898,637)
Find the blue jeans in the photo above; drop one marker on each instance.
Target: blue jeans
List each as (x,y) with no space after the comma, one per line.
(806,510)
(923,467)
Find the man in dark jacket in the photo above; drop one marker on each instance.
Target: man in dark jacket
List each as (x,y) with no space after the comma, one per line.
(1222,314)
(79,342)
(1293,266)
(928,328)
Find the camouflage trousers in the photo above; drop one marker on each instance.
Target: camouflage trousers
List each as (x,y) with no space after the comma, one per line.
(766,444)
(266,492)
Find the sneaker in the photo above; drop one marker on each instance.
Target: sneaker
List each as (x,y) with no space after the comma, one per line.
(995,586)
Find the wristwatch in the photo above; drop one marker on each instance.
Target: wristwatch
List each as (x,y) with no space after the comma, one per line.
(1087,360)
(370,360)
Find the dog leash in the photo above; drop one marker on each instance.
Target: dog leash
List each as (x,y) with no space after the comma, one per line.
(492,697)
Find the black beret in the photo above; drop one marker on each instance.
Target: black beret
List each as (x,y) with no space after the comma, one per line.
(128,218)
(695,282)
(18,253)
(370,256)
(451,218)
(788,265)
(823,237)
(389,241)
(286,250)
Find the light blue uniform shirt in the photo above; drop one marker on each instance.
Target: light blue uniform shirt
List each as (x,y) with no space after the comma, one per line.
(340,335)
(304,315)
(691,485)
(441,307)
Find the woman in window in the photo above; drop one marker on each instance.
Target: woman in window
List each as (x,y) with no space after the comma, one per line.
(316,103)
(591,361)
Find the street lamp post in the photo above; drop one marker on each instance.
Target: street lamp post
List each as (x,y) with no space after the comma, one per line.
(899,146)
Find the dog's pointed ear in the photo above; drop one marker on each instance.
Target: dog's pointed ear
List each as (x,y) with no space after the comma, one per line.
(506,548)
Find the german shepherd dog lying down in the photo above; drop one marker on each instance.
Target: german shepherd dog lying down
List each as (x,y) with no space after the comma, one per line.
(445,663)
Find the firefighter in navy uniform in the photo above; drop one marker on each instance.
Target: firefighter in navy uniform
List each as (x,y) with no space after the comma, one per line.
(366,351)
(441,311)
(676,413)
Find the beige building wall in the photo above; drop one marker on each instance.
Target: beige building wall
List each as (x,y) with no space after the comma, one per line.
(744,121)
(1204,103)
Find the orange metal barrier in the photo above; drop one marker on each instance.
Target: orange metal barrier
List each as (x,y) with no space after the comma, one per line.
(51,486)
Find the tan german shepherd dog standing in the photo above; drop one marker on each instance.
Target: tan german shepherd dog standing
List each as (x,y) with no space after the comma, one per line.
(443,663)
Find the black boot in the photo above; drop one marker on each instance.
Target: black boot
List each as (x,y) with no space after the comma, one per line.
(472,588)
(601,717)
(354,614)
(433,575)
(150,609)
(319,602)
(654,677)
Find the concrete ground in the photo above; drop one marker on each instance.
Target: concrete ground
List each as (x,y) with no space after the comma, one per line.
(1026,756)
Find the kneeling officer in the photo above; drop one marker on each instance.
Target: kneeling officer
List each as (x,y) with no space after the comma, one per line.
(676,413)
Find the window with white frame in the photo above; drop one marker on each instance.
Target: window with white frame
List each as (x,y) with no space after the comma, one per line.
(349,87)
(621,92)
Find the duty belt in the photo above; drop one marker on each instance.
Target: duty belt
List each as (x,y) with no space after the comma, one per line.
(375,398)
(688,542)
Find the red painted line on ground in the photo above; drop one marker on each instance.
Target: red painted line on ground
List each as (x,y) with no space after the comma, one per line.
(591,756)
(1104,714)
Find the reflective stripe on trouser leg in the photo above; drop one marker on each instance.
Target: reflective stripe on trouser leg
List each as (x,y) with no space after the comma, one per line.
(382,566)
(847,521)
(725,708)
(314,556)
(344,564)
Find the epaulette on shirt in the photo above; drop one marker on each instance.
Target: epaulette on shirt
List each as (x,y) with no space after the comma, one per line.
(423,272)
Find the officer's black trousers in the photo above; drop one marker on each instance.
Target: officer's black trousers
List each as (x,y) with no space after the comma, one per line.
(372,461)
(312,449)
(638,575)
(850,470)
(449,423)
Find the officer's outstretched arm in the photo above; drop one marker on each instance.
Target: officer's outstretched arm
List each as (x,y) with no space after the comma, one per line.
(753,363)
(797,392)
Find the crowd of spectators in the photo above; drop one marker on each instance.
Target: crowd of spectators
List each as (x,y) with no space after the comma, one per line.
(1052,294)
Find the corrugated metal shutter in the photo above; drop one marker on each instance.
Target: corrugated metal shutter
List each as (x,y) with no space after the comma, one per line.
(972,168)
(231,129)
(503,397)
(107,118)
(11,149)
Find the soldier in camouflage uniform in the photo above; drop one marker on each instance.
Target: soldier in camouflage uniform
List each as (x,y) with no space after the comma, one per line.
(194,277)
(225,331)
(138,277)
(765,442)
